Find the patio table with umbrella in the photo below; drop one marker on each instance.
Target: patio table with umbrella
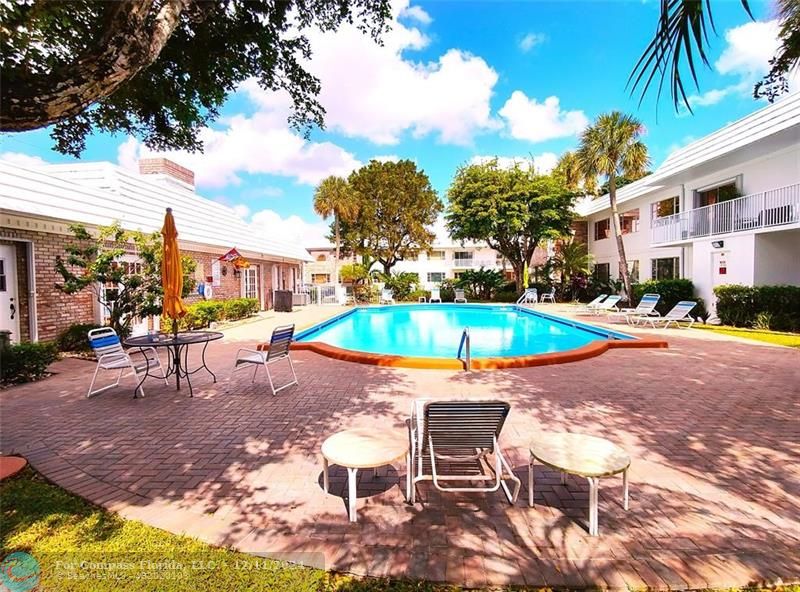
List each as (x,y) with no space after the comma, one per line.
(177,343)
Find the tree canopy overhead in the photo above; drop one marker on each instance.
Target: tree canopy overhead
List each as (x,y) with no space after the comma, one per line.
(511,210)
(396,207)
(159,69)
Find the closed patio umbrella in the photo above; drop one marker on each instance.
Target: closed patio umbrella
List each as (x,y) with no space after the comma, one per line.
(172,272)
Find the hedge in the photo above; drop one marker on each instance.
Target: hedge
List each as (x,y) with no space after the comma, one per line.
(672,292)
(75,338)
(201,314)
(762,307)
(25,362)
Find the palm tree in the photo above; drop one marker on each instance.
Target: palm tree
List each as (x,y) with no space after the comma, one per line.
(572,258)
(611,147)
(333,197)
(569,168)
(682,33)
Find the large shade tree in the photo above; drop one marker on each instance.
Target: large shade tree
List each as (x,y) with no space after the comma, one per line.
(682,40)
(333,197)
(396,208)
(609,148)
(159,69)
(510,209)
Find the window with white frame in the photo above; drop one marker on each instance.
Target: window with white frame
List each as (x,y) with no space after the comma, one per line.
(665,268)
(602,229)
(250,282)
(462,257)
(435,277)
(602,271)
(629,221)
(436,256)
(665,207)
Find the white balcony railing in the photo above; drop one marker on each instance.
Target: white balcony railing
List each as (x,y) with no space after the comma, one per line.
(758,210)
(473,263)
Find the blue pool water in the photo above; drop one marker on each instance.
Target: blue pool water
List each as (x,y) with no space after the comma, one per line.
(434,331)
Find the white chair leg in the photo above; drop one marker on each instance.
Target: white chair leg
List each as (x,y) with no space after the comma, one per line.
(255,371)
(269,377)
(291,366)
(91,386)
(530,482)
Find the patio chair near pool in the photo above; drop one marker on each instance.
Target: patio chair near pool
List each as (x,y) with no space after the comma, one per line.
(278,350)
(678,314)
(529,296)
(590,307)
(111,355)
(607,305)
(460,297)
(387,297)
(454,441)
(645,308)
(436,296)
(550,296)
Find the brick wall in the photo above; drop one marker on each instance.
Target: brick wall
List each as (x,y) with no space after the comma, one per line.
(580,228)
(55,310)
(164,166)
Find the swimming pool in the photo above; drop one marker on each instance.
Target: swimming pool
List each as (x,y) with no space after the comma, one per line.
(416,333)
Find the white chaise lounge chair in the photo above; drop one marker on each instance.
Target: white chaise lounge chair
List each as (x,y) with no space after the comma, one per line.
(550,296)
(608,305)
(679,313)
(529,296)
(435,296)
(387,297)
(590,307)
(278,350)
(645,308)
(460,298)
(452,441)
(108,350)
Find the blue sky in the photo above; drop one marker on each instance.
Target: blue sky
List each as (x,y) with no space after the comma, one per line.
(455,81)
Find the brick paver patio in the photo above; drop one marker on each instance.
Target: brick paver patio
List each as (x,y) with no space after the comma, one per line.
(711,424)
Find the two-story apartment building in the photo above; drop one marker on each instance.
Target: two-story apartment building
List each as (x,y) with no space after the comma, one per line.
(724,209)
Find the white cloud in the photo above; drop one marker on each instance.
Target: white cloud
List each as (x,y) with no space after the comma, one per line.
(21,159)
(531,40)
(241,210)
(746,56)
(542,163)
(377,93)
(269,224)
(386,158)
(536,122)
(259,144)
(416,13)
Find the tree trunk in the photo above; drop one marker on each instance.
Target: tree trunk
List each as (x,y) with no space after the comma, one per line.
(387,268)
(130,42)
(623,261)
(336,258)
(519,271)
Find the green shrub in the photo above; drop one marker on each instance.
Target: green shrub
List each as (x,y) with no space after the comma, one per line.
(75,338)
(401,284)
(447,290)
(24,362)
(239,308)
(417,294)
(671,291)
(774,307)
(506,295)
(480,284)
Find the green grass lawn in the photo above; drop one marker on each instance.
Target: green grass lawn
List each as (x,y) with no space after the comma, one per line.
(81,547)
(61,530)
(776,337)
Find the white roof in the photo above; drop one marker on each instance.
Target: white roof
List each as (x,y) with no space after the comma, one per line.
(97,194)
(766,122)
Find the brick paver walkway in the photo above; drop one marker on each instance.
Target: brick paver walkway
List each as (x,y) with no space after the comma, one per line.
(712,426)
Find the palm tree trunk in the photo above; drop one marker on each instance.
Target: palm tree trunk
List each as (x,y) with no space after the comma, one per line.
(336,259)
(623,261)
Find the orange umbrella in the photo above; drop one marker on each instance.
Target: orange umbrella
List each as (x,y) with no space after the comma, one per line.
(172,272)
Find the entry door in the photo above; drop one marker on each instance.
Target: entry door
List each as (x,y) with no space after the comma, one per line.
(9,302)
(250,280)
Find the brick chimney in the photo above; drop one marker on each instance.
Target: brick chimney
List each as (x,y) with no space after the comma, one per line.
(171,173)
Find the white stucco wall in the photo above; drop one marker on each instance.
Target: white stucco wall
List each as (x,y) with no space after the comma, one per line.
(777,258)
(738,254)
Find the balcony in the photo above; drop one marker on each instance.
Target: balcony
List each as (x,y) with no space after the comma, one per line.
(473,263)
(774,208)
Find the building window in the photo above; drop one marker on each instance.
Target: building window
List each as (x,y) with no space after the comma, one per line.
(665,207)
(602,229)
(436,256)
(462,257)
(602,271)
(320,278)
(717,194)
(321,257)
(435,277)
(457,274)
(666,269)
(629,221)
(250,282)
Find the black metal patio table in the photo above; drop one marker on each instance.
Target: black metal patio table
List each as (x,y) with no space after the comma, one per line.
(177,347)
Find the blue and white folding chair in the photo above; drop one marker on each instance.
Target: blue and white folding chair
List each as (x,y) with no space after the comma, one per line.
(278,350)
(108,350)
